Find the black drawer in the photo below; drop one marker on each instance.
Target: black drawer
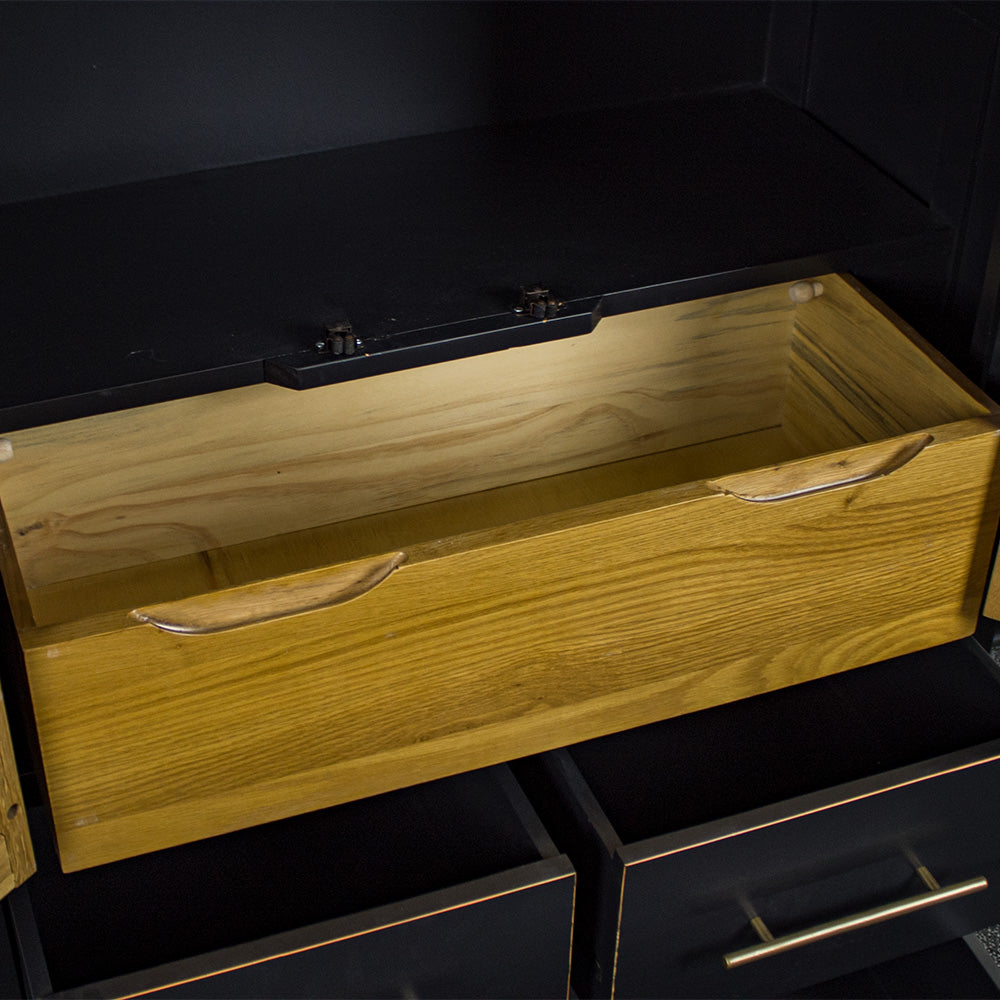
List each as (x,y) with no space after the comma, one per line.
(800,807)
(448,889)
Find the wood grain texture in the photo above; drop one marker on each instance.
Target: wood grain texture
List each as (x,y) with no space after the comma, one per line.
(212,471)
(7,880)
(572,536)
(19,861)
(505,645)
(858,374)
(358,538)
(13,580)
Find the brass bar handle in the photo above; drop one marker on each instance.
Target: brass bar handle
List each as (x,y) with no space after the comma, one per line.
(770,945)
(237,607)
(826,472)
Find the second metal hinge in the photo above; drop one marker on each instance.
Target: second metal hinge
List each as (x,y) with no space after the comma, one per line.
(340,339)
(537,302)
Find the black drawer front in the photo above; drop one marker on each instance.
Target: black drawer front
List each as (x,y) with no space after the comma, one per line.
(448,889)
(683,912)
(508,943)
(799,807)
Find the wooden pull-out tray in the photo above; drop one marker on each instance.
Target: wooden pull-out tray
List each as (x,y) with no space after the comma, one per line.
(247,605)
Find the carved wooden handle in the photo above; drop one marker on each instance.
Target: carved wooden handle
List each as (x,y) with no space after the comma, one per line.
(826,472)
(222,610)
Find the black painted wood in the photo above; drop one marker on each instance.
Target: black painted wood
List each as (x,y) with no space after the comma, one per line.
(11,985)
(500,944)
(913,87)
(168,288)
(96,94)
(371,898)
(944,972)
(801,805)
(789,40)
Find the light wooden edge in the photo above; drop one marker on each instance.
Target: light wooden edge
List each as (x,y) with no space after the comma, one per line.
(13,580)
(951,370)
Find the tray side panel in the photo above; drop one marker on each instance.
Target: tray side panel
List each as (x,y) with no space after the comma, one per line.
(859,373)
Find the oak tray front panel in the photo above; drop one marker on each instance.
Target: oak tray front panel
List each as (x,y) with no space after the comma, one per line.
(247,605)
(450,889)
(854,817)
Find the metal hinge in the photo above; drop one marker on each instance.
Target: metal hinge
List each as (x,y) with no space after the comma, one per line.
(340,339)
(537,302)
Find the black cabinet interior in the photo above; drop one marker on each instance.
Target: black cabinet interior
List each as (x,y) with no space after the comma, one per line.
(863,136)
(467,148)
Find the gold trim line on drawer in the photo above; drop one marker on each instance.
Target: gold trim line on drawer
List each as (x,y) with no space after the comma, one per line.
(770,945)
(978,761)
(830,472)
(348,935)
(223,610)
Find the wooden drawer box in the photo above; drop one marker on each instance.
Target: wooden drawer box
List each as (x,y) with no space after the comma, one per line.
(803,808)
(247,605)
(449,889)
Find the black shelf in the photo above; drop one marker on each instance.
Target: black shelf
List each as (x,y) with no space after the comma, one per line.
(156,290)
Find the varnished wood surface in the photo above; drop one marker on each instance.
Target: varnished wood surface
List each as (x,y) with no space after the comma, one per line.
(284,597)
(856,374)
(504,650)
(826,472)
(18,861)
(229,473)
(18,858)
(562,571)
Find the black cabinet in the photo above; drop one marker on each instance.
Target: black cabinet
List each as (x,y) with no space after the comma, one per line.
(196,197)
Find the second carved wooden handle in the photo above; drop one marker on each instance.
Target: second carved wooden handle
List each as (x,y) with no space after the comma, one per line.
(825,472)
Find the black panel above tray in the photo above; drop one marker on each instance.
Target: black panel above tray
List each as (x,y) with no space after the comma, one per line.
(174,287)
